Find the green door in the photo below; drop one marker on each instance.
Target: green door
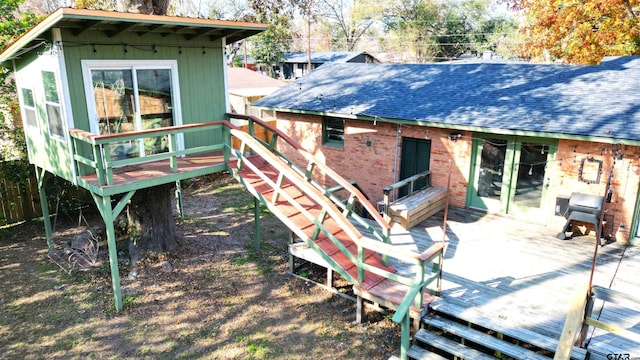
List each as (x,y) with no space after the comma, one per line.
(415,158)
(509,174)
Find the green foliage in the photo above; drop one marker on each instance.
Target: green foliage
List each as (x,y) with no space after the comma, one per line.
(269,48)
(428,30)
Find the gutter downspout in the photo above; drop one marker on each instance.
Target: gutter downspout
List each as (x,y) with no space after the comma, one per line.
(395,158)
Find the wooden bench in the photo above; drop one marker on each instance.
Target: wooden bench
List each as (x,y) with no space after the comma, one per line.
(418,205)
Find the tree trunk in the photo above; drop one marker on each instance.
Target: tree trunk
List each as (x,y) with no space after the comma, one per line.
(152,227)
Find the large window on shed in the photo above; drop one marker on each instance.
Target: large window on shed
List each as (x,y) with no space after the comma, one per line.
(127,96)
(29,108)
(333,131)
(52,104)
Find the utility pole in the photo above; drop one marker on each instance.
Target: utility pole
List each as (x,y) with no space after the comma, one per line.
(309,40)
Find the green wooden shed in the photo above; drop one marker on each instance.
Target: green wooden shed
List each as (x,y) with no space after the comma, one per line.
(103,91)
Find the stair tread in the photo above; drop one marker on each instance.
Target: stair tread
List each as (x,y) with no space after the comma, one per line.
(449,346)
(419,353)
(512,330)
(483,338)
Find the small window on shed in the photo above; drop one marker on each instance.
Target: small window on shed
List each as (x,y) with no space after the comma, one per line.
(52,104)
(29,108)
(333,132)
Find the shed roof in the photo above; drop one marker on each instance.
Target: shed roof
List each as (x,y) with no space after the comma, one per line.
(559,100)
(112,23)
(245,82)
(322,57)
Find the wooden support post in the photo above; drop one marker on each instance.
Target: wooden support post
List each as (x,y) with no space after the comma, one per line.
(359,309)
(329,277)
(256,223)
(104,206)
(179,205)
(108,216)
(405,336)
(291,259)
(48,230)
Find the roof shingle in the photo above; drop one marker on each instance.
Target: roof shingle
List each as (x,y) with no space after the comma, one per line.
(602,101)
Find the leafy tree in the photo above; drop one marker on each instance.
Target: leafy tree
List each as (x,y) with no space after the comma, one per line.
(351,19)
(268,47)
(434,30)
(579,31)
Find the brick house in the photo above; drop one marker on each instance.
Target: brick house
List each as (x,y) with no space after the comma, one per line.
(296,63)
(518,138)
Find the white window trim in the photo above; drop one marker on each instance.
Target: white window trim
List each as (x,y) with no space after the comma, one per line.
(62,137)
(88,65)
(24,107)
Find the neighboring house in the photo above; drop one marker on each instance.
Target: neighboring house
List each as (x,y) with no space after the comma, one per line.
(84,73)
(296,63)
(519,138)
(247,86)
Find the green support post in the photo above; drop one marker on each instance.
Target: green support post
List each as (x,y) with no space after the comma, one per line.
(405,341)
(44,205)
(104,205)
(256,223)
(108,216)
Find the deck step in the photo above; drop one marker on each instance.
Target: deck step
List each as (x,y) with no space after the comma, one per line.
(482,338)
(510,329)
(446,345)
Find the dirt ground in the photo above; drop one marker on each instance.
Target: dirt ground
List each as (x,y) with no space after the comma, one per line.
(216,297)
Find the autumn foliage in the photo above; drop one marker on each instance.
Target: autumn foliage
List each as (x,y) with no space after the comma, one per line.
(579,31)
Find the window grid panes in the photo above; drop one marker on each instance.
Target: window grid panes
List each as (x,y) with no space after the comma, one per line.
(52,104)
(333,132)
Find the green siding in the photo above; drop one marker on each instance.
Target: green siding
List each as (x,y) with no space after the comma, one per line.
(200,75)
(51,154)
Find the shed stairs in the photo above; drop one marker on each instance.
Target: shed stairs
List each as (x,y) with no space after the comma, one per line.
(310,214)
(451,331)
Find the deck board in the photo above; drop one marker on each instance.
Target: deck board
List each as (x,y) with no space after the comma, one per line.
(521,274)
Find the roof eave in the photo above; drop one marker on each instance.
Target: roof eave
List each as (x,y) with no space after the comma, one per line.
(244,29)
(538,134)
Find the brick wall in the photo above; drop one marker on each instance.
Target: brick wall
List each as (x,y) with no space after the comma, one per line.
(624,183)
(374,167)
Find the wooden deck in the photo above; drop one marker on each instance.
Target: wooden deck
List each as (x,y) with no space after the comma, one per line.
(521,275)
(127,176)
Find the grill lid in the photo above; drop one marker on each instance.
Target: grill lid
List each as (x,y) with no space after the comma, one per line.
(579,200)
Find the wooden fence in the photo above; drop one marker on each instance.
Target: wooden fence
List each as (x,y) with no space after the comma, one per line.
(18,202)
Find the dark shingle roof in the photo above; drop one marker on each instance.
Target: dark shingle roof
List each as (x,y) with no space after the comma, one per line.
(602,101)
(321,57)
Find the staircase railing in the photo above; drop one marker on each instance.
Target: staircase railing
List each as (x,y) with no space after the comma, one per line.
(314,170)
(287,170)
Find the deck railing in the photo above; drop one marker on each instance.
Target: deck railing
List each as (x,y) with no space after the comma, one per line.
(102,161)
(581,318)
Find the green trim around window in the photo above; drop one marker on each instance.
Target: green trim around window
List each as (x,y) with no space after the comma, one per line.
(332,131)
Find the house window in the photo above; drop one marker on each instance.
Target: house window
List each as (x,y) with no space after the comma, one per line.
(52,105)
(333,132)
(132,96)
(29,108)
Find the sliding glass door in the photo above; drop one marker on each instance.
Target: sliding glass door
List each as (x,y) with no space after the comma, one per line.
(509,174)
(125,97)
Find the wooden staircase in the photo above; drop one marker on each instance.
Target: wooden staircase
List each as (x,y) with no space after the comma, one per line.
(451,331)
(323,223)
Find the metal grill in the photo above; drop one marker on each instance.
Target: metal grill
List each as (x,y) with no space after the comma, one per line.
(583,208)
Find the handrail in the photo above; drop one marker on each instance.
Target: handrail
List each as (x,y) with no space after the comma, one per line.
(410,182)
(313,161)
(579,318)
